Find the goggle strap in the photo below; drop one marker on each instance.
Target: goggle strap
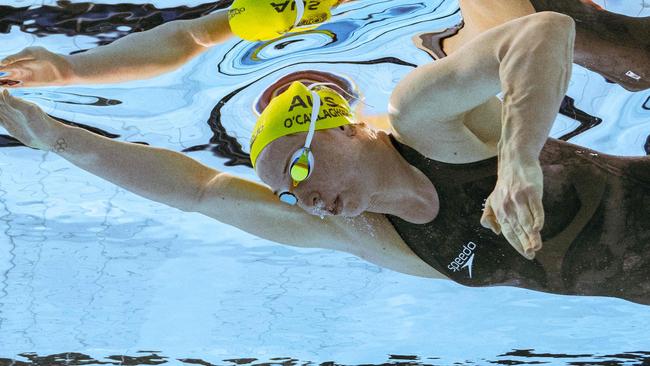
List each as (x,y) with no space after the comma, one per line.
(300,12)
(314,116)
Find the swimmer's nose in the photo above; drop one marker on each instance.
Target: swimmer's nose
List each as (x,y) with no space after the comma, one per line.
(316,204)
(313,200)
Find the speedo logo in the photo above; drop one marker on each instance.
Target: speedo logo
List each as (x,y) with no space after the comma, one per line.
(464,260)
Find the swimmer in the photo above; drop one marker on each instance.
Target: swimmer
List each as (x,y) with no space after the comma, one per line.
(463,187)
(613,45)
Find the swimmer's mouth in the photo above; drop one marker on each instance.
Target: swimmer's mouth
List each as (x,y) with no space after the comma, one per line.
(332,209)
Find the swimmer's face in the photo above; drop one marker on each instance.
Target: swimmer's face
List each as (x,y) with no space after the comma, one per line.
(338,184)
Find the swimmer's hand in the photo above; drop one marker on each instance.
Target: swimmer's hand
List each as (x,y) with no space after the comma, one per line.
(515,208)
(34,66)
(27,122)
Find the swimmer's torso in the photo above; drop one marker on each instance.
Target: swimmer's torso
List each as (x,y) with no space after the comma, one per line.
(597,225)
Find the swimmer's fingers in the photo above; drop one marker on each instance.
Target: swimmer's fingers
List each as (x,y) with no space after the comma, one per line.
(489,219)
(16,102)
(36,66)
(514,237)
(512,229)
(537,210)
(525,228)
(527,240)
(5,105)
(9,116)
(28,53)
(27,122)
(12,76)
(535,240)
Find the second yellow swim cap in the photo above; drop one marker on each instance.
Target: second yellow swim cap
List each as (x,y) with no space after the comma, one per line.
(261,20)
(290,112)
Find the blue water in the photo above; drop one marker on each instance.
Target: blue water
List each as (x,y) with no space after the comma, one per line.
(90,268)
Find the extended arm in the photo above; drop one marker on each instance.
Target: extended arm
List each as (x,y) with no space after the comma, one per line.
(176,180)
(136,56)
(529,60)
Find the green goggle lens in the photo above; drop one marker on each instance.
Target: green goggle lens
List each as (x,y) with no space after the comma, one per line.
(299,172)
(300,168)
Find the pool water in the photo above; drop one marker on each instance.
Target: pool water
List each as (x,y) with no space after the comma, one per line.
(90,273)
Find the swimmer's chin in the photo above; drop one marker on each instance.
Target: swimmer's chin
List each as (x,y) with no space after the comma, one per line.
(339,214)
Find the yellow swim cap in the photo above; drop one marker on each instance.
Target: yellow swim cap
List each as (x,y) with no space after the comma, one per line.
(260,20)
(290,112)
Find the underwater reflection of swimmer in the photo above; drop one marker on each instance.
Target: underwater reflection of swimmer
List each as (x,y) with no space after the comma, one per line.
(164,48)
(411,200)
(614,45)
(307,77)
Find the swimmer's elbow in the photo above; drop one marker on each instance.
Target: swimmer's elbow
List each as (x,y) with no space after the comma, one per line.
(554,18)
(547,35)
(207,193)
(208,30)
(548,22)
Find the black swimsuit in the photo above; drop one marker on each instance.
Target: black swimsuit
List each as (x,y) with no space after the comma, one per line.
(596,233)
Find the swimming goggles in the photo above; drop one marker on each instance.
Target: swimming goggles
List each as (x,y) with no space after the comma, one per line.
(302,161)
